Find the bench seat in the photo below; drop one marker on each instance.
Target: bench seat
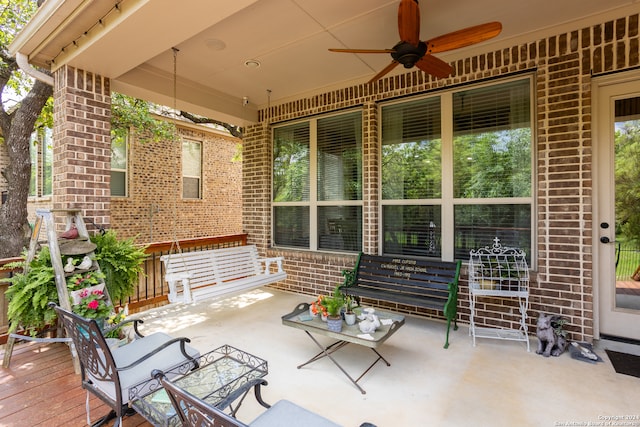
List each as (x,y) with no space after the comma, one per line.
(412,282)
(216,272)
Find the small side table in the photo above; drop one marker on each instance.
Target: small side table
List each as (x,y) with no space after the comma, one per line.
(221,372)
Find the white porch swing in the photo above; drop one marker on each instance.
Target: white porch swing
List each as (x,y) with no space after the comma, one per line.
(197,275)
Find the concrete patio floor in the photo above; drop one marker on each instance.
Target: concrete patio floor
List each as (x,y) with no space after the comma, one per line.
(496,383)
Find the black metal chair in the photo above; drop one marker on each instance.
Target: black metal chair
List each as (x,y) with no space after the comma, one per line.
(110,373)
(194,412)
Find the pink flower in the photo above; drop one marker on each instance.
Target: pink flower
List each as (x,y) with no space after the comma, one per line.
(93,305)
(84,293)
(97,292)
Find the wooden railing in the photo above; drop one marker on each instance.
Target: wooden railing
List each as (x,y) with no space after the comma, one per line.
(152,289)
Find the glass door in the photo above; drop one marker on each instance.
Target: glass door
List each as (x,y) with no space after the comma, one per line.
(617,205)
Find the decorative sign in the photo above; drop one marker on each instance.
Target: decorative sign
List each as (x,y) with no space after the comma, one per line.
(403,268)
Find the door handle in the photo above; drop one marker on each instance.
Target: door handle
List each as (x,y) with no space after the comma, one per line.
(605,239)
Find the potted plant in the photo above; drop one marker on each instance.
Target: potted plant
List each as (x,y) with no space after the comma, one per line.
(93,305)
(318,309)
(29,293)
(349,314)
(333,304)
(121,263)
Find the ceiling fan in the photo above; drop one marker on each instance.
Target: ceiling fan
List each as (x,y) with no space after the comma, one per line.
(410,51)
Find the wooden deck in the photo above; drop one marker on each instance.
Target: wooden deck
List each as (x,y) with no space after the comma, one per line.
(628,287)
(40,388)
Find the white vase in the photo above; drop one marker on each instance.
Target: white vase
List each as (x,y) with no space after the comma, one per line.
(350,318)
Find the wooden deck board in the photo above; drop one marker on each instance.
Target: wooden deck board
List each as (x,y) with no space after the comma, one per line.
(40,388)
(628,287)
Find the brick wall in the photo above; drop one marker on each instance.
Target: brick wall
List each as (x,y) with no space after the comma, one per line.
(82,143)
(563,66)
(256,185)
(155,210)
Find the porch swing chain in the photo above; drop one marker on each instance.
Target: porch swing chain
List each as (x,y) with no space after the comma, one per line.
(175,243)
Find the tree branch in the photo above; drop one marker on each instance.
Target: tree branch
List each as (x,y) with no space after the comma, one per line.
(236,131)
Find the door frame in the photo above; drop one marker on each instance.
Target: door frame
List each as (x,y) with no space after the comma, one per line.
(605,253)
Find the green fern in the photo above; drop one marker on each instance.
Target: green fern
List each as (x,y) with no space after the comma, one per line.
(121,263)
(30,293)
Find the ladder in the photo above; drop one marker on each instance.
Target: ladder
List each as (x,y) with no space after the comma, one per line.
(45,217)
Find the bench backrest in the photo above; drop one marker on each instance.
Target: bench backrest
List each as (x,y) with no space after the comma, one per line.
(418,277)
(222,264)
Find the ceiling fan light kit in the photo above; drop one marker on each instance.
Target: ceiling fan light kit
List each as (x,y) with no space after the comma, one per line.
(410,51)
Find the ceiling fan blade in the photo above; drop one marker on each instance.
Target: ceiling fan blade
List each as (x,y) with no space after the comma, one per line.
(363,50)
(409,21)
(464,37)
(384,71)
(434,66)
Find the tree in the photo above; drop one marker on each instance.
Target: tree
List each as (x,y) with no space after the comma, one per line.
(627,177)
(22,101)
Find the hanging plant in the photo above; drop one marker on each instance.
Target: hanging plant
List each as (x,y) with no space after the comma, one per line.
(121,263)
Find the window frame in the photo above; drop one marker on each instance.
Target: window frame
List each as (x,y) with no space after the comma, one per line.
(313,204)
(182,172)
(124,171)
(39,140)
(447,201)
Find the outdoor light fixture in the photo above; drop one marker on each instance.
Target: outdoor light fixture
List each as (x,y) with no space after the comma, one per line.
(251,63)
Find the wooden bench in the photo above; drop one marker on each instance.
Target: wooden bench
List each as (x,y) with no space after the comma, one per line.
(215,272)
(414,282)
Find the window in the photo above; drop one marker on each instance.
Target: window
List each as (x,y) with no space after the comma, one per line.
(457,171)
(119,164)
(317,183)
(34,148)
(191,169)
(41,152)
(47,162)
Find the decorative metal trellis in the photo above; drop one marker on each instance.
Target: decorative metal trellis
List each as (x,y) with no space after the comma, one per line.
(500,272)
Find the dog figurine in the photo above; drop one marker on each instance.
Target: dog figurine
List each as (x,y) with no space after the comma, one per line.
(550,343)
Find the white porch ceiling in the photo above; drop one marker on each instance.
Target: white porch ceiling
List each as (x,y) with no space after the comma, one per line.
(132,45)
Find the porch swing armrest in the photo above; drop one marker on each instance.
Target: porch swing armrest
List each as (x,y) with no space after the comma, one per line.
(268,261)
(173,278)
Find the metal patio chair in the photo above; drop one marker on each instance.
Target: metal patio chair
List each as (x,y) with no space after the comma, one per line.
(194,412)
(109,373)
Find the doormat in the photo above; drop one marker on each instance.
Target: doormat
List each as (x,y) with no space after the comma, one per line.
(625,363)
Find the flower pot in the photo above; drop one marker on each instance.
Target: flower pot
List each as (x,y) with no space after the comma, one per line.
(334,323)
(350,318)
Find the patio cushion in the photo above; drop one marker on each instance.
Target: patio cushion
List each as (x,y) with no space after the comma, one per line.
(133,351)
(286,413)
